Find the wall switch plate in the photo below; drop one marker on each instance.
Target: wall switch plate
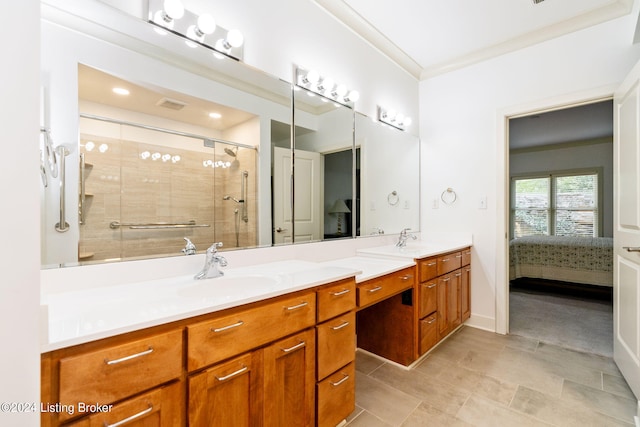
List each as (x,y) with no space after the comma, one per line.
(482,204)
(435,204)
(407,205)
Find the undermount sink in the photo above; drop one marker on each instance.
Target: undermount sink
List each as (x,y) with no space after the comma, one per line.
(229,286)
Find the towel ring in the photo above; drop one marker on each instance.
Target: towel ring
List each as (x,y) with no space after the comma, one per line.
(393,198)
(449,196)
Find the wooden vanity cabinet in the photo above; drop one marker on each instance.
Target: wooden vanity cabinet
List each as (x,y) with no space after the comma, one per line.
(270,363)
(444,302)
(336,352)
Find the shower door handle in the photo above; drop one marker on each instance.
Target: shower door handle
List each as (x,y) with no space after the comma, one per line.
(280,230)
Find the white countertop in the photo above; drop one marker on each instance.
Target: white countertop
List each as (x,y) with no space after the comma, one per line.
(371,267)
(416,249)
(75,315)
(80,316)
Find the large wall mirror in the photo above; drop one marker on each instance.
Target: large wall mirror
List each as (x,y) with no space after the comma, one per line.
(201,148)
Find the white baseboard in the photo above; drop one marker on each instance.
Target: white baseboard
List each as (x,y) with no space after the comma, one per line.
(482,322)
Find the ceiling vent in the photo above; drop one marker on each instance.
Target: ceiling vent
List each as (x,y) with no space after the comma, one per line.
(171,104)
(537,1)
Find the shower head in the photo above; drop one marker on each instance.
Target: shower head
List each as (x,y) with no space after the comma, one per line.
(231,152)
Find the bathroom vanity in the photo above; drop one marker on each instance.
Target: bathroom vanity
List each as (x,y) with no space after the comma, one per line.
(271,344)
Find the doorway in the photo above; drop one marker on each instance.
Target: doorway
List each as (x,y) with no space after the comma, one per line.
(560,205)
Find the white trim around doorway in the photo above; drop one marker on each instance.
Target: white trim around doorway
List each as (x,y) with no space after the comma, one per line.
(502,182)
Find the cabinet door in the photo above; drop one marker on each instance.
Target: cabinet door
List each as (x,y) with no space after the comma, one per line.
(336,396)
(336,344)
(465,295)
(289,381)
(443,305)
(455,307)
(428,333)
(225,395)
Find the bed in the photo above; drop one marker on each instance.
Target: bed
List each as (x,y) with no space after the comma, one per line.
(584,260)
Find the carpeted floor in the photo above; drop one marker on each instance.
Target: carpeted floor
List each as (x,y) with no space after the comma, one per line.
(572,322)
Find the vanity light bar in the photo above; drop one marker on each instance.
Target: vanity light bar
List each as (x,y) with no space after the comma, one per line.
(393,118)
(170,16)
(325,86)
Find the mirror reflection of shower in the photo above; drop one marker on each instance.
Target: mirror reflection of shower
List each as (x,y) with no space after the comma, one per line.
(241,201)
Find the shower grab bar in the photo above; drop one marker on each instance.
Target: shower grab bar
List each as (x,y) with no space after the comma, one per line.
(156,225)
(63,225)
(243,191)
(82,189)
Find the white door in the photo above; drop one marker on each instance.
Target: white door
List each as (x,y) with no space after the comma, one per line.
(626,235)
(308,196)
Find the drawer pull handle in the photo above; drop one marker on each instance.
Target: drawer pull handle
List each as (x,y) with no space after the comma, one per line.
(376,289)
(431,321)
(433,285)
(336,384)
(131,418)
(631,248)
(459,256)
(447,279)
(133,356)
(458,274)
(446,260)
(226,328)
(295,307)
(467,270)
(431,264)
(343,325)
(468,253)
(233,374)
(406,277)
(337,294)
(295,347)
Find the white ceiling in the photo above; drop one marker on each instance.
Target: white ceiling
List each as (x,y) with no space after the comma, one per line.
(428,37)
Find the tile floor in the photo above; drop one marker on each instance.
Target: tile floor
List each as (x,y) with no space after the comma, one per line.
(478,378)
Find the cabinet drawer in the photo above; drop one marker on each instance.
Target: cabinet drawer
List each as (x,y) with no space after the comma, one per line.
(336,396)
(449,262)
(214,340)
(161,407)
(428,333)
(428,269)
(336,341)
(466,256)
(119,371)
(428,298)
(378,289)
(336,299)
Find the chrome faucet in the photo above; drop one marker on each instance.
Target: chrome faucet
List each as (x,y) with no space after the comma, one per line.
(189,248)
(213,260)
(402,239)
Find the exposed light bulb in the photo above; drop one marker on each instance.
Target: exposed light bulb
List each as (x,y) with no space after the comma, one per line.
(311,77)
(155,156)
(103,148)
(174,9)
(400,119)
(353,96)
(89,146)
(175,159)
(340,91)
(326,85)
(215,115)
(166,157)
(145,155)
(407,121)
(235,38)
(206,25)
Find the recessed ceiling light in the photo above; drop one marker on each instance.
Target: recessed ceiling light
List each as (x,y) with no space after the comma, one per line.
(215,115)
(120,91)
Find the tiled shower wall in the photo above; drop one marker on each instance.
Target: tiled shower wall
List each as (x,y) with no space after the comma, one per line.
(123,186)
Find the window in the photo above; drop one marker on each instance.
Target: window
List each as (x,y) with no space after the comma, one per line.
(562,204)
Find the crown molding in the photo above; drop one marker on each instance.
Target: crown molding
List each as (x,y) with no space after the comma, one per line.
(354,21)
